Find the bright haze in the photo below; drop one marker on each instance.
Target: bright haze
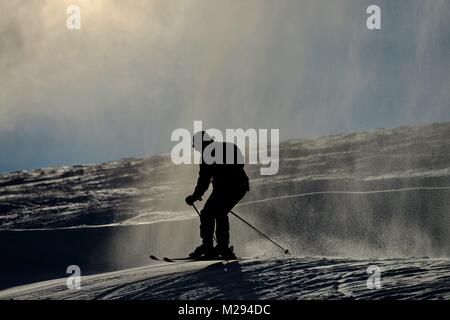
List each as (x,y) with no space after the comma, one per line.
(139,69)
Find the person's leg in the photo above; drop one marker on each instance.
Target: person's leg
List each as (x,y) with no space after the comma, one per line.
(207,221)
(222,229)
(225,203)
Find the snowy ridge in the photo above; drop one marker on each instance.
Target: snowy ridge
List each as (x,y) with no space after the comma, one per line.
(283,278)
(152,189)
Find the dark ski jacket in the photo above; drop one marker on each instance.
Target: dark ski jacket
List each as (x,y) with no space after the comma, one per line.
(224,176)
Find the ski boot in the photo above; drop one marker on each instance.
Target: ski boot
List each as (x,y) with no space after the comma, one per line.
(203,251)
(225,253)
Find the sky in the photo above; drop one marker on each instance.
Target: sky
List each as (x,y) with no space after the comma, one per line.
(137,70)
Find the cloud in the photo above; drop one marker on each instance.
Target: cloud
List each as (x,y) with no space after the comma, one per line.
(137,70)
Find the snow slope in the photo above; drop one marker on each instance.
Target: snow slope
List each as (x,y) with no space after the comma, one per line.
(287,278)
(142,190)
(370,196)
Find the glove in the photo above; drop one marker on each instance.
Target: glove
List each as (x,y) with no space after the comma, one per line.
(190,200)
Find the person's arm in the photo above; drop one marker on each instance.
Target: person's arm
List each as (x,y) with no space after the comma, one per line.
(203,181)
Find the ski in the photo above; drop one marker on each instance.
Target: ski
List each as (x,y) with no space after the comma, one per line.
(166,259)
(189,259)
(154,258)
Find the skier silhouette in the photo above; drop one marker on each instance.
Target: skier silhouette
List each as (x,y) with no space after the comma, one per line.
(230,184)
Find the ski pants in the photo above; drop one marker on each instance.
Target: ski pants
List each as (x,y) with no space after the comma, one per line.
(215,212)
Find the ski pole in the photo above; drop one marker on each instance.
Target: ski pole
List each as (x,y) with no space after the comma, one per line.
(286,251)
(196,209)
